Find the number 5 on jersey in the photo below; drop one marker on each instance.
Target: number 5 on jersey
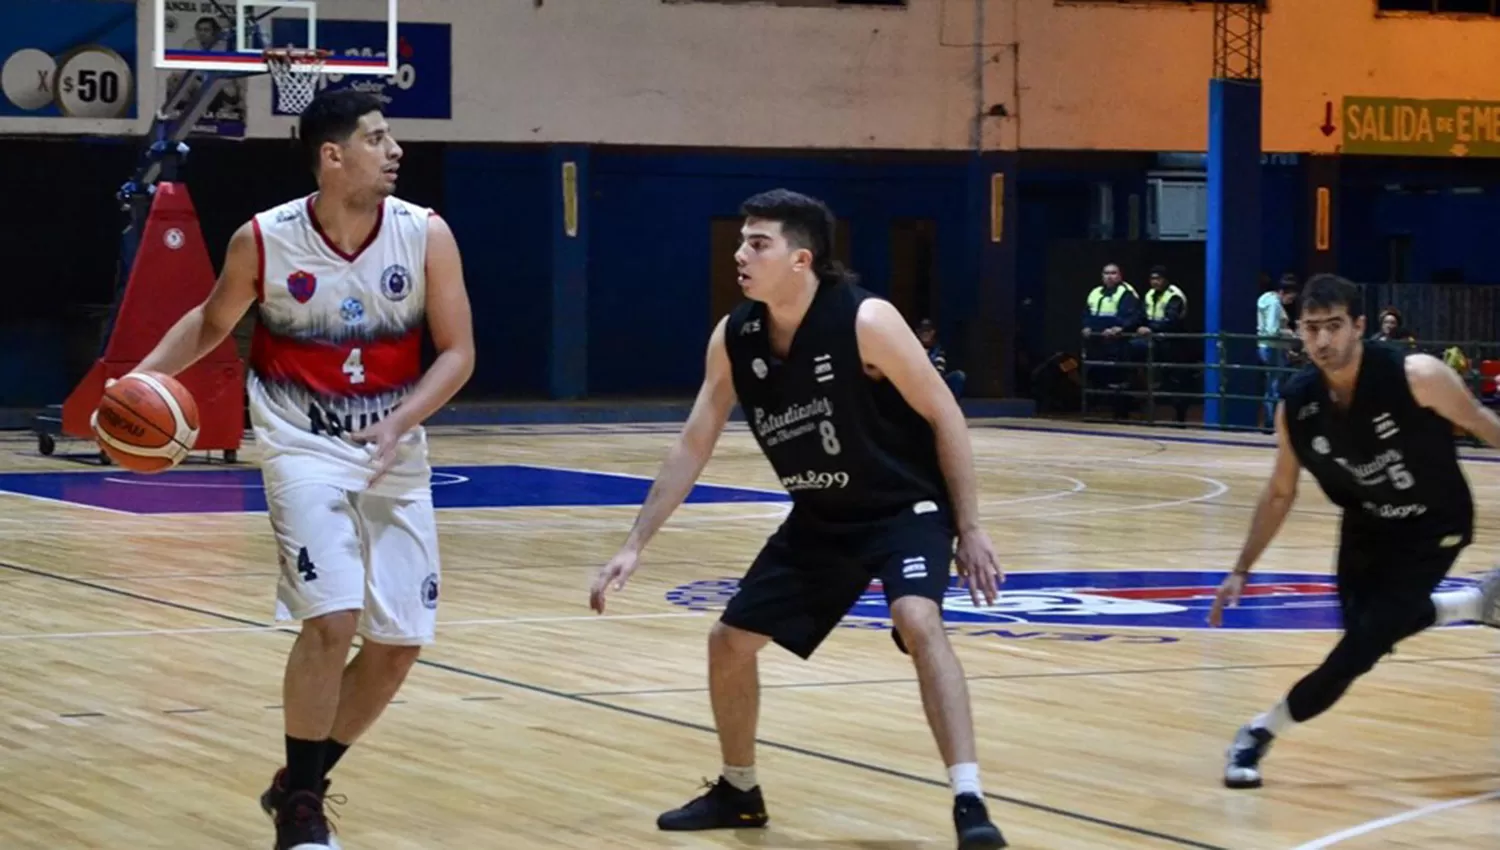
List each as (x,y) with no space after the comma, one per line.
(354,367)
(1400,478)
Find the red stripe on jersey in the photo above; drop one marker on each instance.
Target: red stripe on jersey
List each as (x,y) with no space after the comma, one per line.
(260,261)
(333,369)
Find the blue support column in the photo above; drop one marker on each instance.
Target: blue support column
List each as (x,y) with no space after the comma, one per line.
(568,356)
(1233,251)
(986,296)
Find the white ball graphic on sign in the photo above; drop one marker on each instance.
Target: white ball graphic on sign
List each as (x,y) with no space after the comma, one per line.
(26,78)
(94,82)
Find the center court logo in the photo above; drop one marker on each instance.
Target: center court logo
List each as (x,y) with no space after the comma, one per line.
(1116,599)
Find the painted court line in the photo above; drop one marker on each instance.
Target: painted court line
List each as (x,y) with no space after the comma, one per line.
(1393,820)
(1067,428)
(543,690)
(210,630)
(66,503)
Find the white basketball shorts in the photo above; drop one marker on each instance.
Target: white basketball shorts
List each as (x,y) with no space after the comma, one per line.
(342,551)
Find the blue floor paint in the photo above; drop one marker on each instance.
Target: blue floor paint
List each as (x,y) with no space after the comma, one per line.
(239,490)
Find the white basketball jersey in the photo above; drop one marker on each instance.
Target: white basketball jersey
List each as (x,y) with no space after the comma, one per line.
(337,346)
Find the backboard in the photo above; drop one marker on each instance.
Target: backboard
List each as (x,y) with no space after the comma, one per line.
(230,35)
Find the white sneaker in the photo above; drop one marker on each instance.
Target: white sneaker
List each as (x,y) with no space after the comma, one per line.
(1489,599)
(1243,769)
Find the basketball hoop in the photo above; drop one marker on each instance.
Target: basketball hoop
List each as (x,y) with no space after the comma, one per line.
(296,71)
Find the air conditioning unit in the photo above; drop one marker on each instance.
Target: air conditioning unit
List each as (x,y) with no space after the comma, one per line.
(1177,208)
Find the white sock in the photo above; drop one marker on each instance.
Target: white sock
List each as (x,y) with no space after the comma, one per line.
(742,778)
(1456,606)
(965,779)
(1275,720)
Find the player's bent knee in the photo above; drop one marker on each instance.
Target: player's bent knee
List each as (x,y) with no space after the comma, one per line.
(726,641)
(332,630)
(1358,653)
(391,662)
(919,621)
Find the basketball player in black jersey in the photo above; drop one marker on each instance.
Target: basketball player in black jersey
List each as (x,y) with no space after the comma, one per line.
(1374,426)
(868,439)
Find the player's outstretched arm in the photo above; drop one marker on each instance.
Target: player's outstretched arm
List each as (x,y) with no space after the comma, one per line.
(684,463)
(1275,503)
(450,321)
(202,328)
(888,344)
(1435,385)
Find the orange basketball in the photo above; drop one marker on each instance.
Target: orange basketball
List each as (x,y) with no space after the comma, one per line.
(146,422)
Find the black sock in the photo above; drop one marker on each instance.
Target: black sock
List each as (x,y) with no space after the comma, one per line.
(332,752)
(304,764)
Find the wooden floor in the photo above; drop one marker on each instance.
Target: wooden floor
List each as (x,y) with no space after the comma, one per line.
(139,678)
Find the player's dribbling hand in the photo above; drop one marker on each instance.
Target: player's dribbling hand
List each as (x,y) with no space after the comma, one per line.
(612,576)
(386,435)
(978,567)
(1228,594)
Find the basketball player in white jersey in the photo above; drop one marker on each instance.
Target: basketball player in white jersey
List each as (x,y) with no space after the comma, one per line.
(342,282)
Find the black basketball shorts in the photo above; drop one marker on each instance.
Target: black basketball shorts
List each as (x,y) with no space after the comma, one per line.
(1386,583)
(808,577)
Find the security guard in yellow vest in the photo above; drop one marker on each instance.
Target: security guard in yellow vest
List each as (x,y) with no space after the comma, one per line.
(1113,306)
(1112,312)
(1166,313)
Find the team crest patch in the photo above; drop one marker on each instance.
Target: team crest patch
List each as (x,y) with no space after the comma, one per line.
(301,285)
(352,311)
(430,591)
(395,282)
(1116,599)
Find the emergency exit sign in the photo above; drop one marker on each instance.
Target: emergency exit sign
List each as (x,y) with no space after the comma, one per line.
(1408,127)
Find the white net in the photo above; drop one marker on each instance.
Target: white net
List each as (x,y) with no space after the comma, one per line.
(296,74)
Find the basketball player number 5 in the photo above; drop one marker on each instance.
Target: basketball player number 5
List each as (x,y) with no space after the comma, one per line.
(354,367)
(1400,478)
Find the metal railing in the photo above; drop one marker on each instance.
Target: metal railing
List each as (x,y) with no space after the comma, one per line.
(1142,378)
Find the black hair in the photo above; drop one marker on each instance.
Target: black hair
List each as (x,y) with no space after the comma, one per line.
(1329,292)
(333,116)
(211,20)
(806,222)
(1159,271)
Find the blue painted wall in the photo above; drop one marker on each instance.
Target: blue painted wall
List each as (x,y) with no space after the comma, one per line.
(649,290)
(1446,210)
(496,202)
(648,249)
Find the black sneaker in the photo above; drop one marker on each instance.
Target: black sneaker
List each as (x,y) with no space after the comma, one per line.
(301,824)
(723,807)
(276,795)
(1249,747)
(972,821)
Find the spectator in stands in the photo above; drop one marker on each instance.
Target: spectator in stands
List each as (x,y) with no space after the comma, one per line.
(1165,313)
(1274,327)
(1113,310)
(927,333)
(1392,328)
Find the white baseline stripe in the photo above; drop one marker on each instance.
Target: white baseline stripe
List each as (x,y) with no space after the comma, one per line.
(1376,825)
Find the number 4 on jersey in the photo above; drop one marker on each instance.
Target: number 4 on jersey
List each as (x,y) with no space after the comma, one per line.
(354,367)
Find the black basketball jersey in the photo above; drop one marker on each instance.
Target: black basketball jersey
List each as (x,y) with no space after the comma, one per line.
(847,447)
(1389,462)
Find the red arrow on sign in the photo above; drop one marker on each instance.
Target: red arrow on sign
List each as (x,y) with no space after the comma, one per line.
(1328,127)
